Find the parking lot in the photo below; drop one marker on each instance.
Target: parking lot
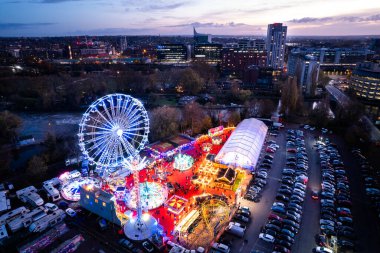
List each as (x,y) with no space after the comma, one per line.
(305,240)
(261,210)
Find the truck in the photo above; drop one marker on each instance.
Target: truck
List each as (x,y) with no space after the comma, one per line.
(48,221)
(235,230)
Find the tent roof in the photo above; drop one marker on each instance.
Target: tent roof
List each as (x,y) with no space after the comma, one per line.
(243,147)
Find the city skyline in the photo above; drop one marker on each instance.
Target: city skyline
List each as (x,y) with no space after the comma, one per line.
(126,17)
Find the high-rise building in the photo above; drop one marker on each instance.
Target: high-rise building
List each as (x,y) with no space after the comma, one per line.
(306,69)
(123,44)
(200,38)
(208,53)
(276,36)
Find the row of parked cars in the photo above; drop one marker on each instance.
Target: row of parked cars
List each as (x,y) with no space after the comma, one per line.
(284,220)
(260,180)
(371,178)
(336,216)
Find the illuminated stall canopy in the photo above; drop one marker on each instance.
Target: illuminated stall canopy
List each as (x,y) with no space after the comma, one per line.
(243,147)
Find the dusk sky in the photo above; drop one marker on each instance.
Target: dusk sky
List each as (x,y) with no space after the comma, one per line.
(176,17)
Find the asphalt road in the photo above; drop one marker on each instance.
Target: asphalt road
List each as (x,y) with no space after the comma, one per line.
(261,210)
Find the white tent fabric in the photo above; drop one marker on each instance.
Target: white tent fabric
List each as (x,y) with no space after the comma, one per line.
(243,147)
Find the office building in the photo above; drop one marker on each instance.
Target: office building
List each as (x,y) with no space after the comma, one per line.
(276,36)
(336,56)
(259,79)
(365,81)
(208,53)
(99,202)
(200,38)
(236,61)
(172,53)
(306,69)
(258,44)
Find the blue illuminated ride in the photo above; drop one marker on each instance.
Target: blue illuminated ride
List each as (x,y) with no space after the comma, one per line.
(114,128)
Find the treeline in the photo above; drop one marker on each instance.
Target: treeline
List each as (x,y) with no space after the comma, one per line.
(65,92)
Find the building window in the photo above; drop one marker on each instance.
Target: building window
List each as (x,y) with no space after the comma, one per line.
(96,201)
(87,196)
(104,204)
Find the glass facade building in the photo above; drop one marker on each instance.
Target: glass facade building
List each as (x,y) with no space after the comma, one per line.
(208,53)
(172,53)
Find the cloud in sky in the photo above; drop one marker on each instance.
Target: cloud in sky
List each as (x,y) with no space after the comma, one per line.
(114,31)
(210,24)
(337,19)
(176,17)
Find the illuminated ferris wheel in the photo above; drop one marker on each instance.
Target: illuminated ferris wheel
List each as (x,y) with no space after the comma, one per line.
(114,128)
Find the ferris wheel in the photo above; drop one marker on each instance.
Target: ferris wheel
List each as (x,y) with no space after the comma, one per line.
(114,128)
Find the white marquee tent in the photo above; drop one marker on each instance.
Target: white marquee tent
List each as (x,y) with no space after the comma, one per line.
(243,147)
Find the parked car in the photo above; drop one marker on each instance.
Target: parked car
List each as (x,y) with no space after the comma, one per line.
(266,237)
(71,212)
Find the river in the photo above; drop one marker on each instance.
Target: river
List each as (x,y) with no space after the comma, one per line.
(58,124)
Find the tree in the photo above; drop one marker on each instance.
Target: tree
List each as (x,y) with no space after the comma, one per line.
(267,107)
(37,166)
(289,96)
(164,122)
(190,81)
(323,79)
(9,123)
(233,118)
(314,79)
(196,118)
(320,115)
(208,73)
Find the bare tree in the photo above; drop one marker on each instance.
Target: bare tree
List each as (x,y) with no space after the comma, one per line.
(37,166)
(190,81)
(9,123)
(289,96)
(196,118)
(164,121)
(319,116)
(233,118)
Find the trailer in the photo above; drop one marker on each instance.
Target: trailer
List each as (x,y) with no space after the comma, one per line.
(29,195)
(52,192)
(44,240)
(5,218)
(24,220)
(49,220)
(70,245)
